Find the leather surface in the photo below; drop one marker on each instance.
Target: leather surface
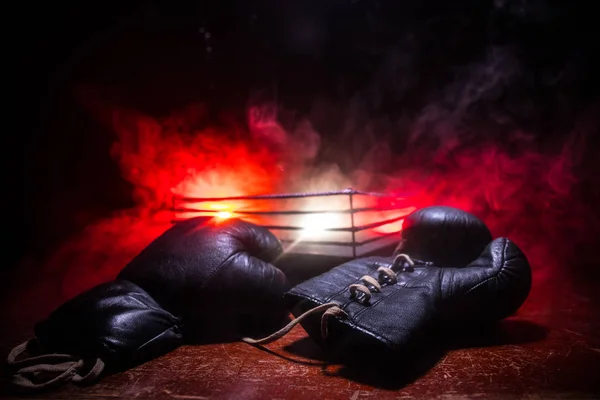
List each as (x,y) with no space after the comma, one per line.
(116,321)
(390,318)
(216,276)
(491,287)
(443,235)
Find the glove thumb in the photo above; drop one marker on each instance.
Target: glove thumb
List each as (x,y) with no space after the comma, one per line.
(492,287)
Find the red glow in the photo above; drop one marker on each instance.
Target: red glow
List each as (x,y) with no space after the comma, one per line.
(179,154)
(174,155)
(219,206)
(520,193)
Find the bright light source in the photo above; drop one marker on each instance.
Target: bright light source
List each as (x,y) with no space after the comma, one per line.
(223,214)
(316,225)
(346,223)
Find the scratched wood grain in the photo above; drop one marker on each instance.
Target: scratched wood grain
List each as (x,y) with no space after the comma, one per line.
(551,349)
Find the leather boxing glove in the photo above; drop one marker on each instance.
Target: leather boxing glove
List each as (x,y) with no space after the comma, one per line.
(443,235)
(216,276)
(110,327)
(383,303)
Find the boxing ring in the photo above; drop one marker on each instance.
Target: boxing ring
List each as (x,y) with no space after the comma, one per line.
(345,223)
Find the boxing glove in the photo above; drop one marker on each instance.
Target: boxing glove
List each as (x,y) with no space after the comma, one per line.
(216,276)
(108,328)
(447,270)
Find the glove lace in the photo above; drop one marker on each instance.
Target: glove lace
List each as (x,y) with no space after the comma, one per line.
(387,276)
(30,373)
(358,291)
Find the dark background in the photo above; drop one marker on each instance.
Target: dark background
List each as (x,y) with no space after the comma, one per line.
(59,173)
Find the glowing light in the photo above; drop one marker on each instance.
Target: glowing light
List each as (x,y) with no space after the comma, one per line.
(222,211)
(223,214)
(316,225)
(394,226)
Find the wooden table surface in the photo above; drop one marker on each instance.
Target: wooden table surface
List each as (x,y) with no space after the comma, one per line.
(550,349)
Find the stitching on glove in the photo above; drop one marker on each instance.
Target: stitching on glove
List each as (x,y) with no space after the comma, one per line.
(150,341)
(500,270)
(218,268)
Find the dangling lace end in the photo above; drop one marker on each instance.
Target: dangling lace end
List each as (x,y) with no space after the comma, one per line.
(334,311)
(61,368)
(286,329)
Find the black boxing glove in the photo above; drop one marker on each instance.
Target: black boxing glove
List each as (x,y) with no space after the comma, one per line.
(110,327)
(216,276)
(443,235)
(390,303)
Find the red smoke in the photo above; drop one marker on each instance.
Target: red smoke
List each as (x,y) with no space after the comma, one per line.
(520,191)
(530,194)
(176,155)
